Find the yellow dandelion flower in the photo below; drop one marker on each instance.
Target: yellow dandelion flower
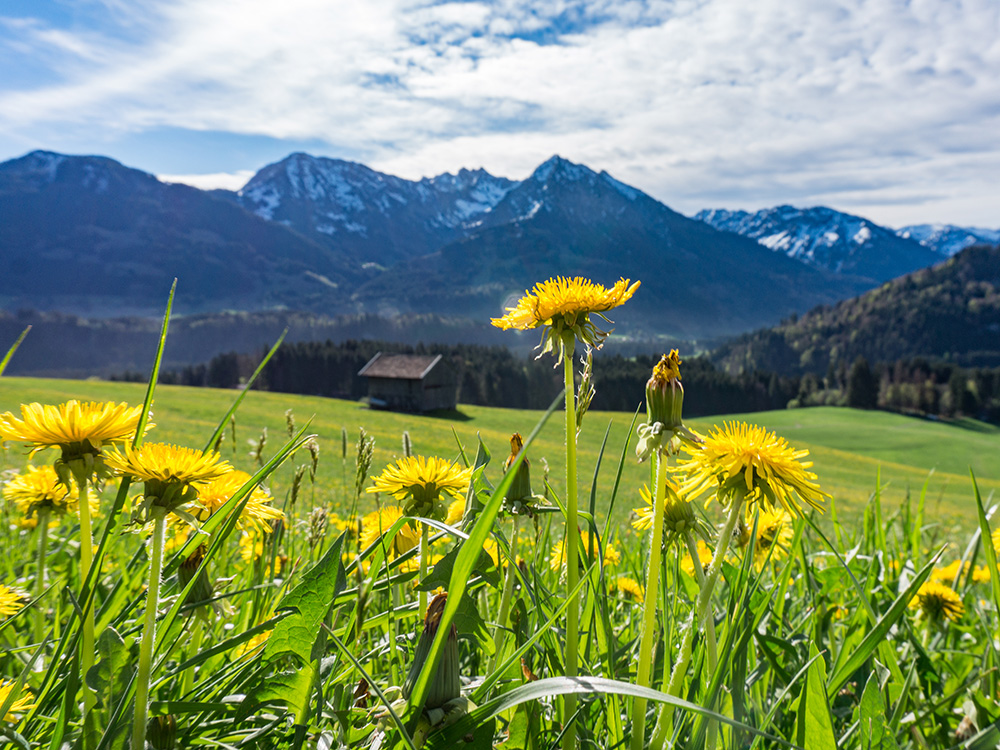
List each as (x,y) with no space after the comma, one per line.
(39,489)
(78,428)
(937,602)
(557,559)
(456,510)
(981,574)
(20,705)
(376,523)
(169,464)
(12,601)
(630,586)
(678,515)
(948,573)
(747,459)
(774,532)
(704,559)
(419,481)
(257,513)
(563,305)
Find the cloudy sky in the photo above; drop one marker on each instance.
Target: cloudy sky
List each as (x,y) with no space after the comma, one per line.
(885,108)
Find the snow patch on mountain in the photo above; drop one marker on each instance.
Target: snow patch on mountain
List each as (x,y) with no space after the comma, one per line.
(948,239)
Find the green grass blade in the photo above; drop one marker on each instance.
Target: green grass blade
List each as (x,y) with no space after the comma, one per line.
(13,348)
(988,550)
(553,686)
(155,372)
(243,392)
(877,635)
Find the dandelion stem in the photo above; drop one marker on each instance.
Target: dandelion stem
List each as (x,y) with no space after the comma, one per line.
(42,517)
(648,625)
(87,616)
(197,634)
(500,631)
(144,674)
(572,541)
(664,723)
(424,551)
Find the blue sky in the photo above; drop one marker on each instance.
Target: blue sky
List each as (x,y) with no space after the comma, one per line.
(889,108)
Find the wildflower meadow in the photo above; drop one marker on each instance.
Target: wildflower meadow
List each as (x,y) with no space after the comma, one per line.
(162,596)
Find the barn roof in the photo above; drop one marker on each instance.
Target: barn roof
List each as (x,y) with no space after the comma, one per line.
(400,366)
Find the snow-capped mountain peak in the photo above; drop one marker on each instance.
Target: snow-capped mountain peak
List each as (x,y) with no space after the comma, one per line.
(948,239)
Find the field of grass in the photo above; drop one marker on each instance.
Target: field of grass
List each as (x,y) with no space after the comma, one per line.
(847,446)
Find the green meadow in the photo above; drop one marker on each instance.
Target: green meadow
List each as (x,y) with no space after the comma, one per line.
(850,448)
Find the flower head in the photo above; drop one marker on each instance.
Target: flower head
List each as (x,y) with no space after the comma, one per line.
(631,587)
(12,601)
(81,430)
(664,428)
(563,305)
(39,488)
(704,559)
(678,515)
(171,474)
(774,534)
(20,705)
(257,514)
(747,460)
(419,481)
(378,522)
(937,602)
(456,511)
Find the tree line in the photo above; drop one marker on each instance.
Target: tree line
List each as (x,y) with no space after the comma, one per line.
(495,376)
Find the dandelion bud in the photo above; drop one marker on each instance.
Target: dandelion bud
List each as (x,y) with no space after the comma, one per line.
(202,591)
(161,732)
(664,392)
(446,684)
(520,487)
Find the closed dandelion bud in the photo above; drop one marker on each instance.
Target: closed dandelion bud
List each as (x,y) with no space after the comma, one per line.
(161,732)
(202,590)
(664,392)
(446,684)
(520,487)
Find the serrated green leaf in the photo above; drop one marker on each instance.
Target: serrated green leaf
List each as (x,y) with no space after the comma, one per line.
(289,689)
(109,677)
(308,604)
(813,724)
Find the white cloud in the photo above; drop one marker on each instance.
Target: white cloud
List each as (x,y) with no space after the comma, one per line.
(852,103)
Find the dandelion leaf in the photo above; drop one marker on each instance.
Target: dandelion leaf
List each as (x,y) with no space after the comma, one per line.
(109,677)
(814,725)
(308,605)
(871,718)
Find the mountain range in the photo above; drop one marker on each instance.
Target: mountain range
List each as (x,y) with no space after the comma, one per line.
(87,235)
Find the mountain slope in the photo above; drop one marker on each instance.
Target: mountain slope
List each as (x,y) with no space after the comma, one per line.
(948,239)
(86,234)
(373,217)
(568,220)
(827,239)
(951,310)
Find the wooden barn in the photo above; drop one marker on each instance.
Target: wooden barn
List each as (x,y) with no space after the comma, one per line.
(411,382)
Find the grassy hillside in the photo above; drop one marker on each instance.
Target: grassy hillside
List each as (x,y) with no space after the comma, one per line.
(848,446)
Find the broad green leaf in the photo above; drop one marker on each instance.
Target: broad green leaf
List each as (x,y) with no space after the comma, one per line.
(109,677)
(309,604)
(813,724)
(872,723)
(289,689)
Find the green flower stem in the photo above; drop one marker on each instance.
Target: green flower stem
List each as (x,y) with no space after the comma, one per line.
(500,631)
(648,625)
(572,540)
(394,660)
(42,517)
(87,616)
(424,552)
(664,723)
(710,641)
(144,674)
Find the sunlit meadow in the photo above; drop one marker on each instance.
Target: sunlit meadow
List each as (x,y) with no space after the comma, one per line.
(661,584)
